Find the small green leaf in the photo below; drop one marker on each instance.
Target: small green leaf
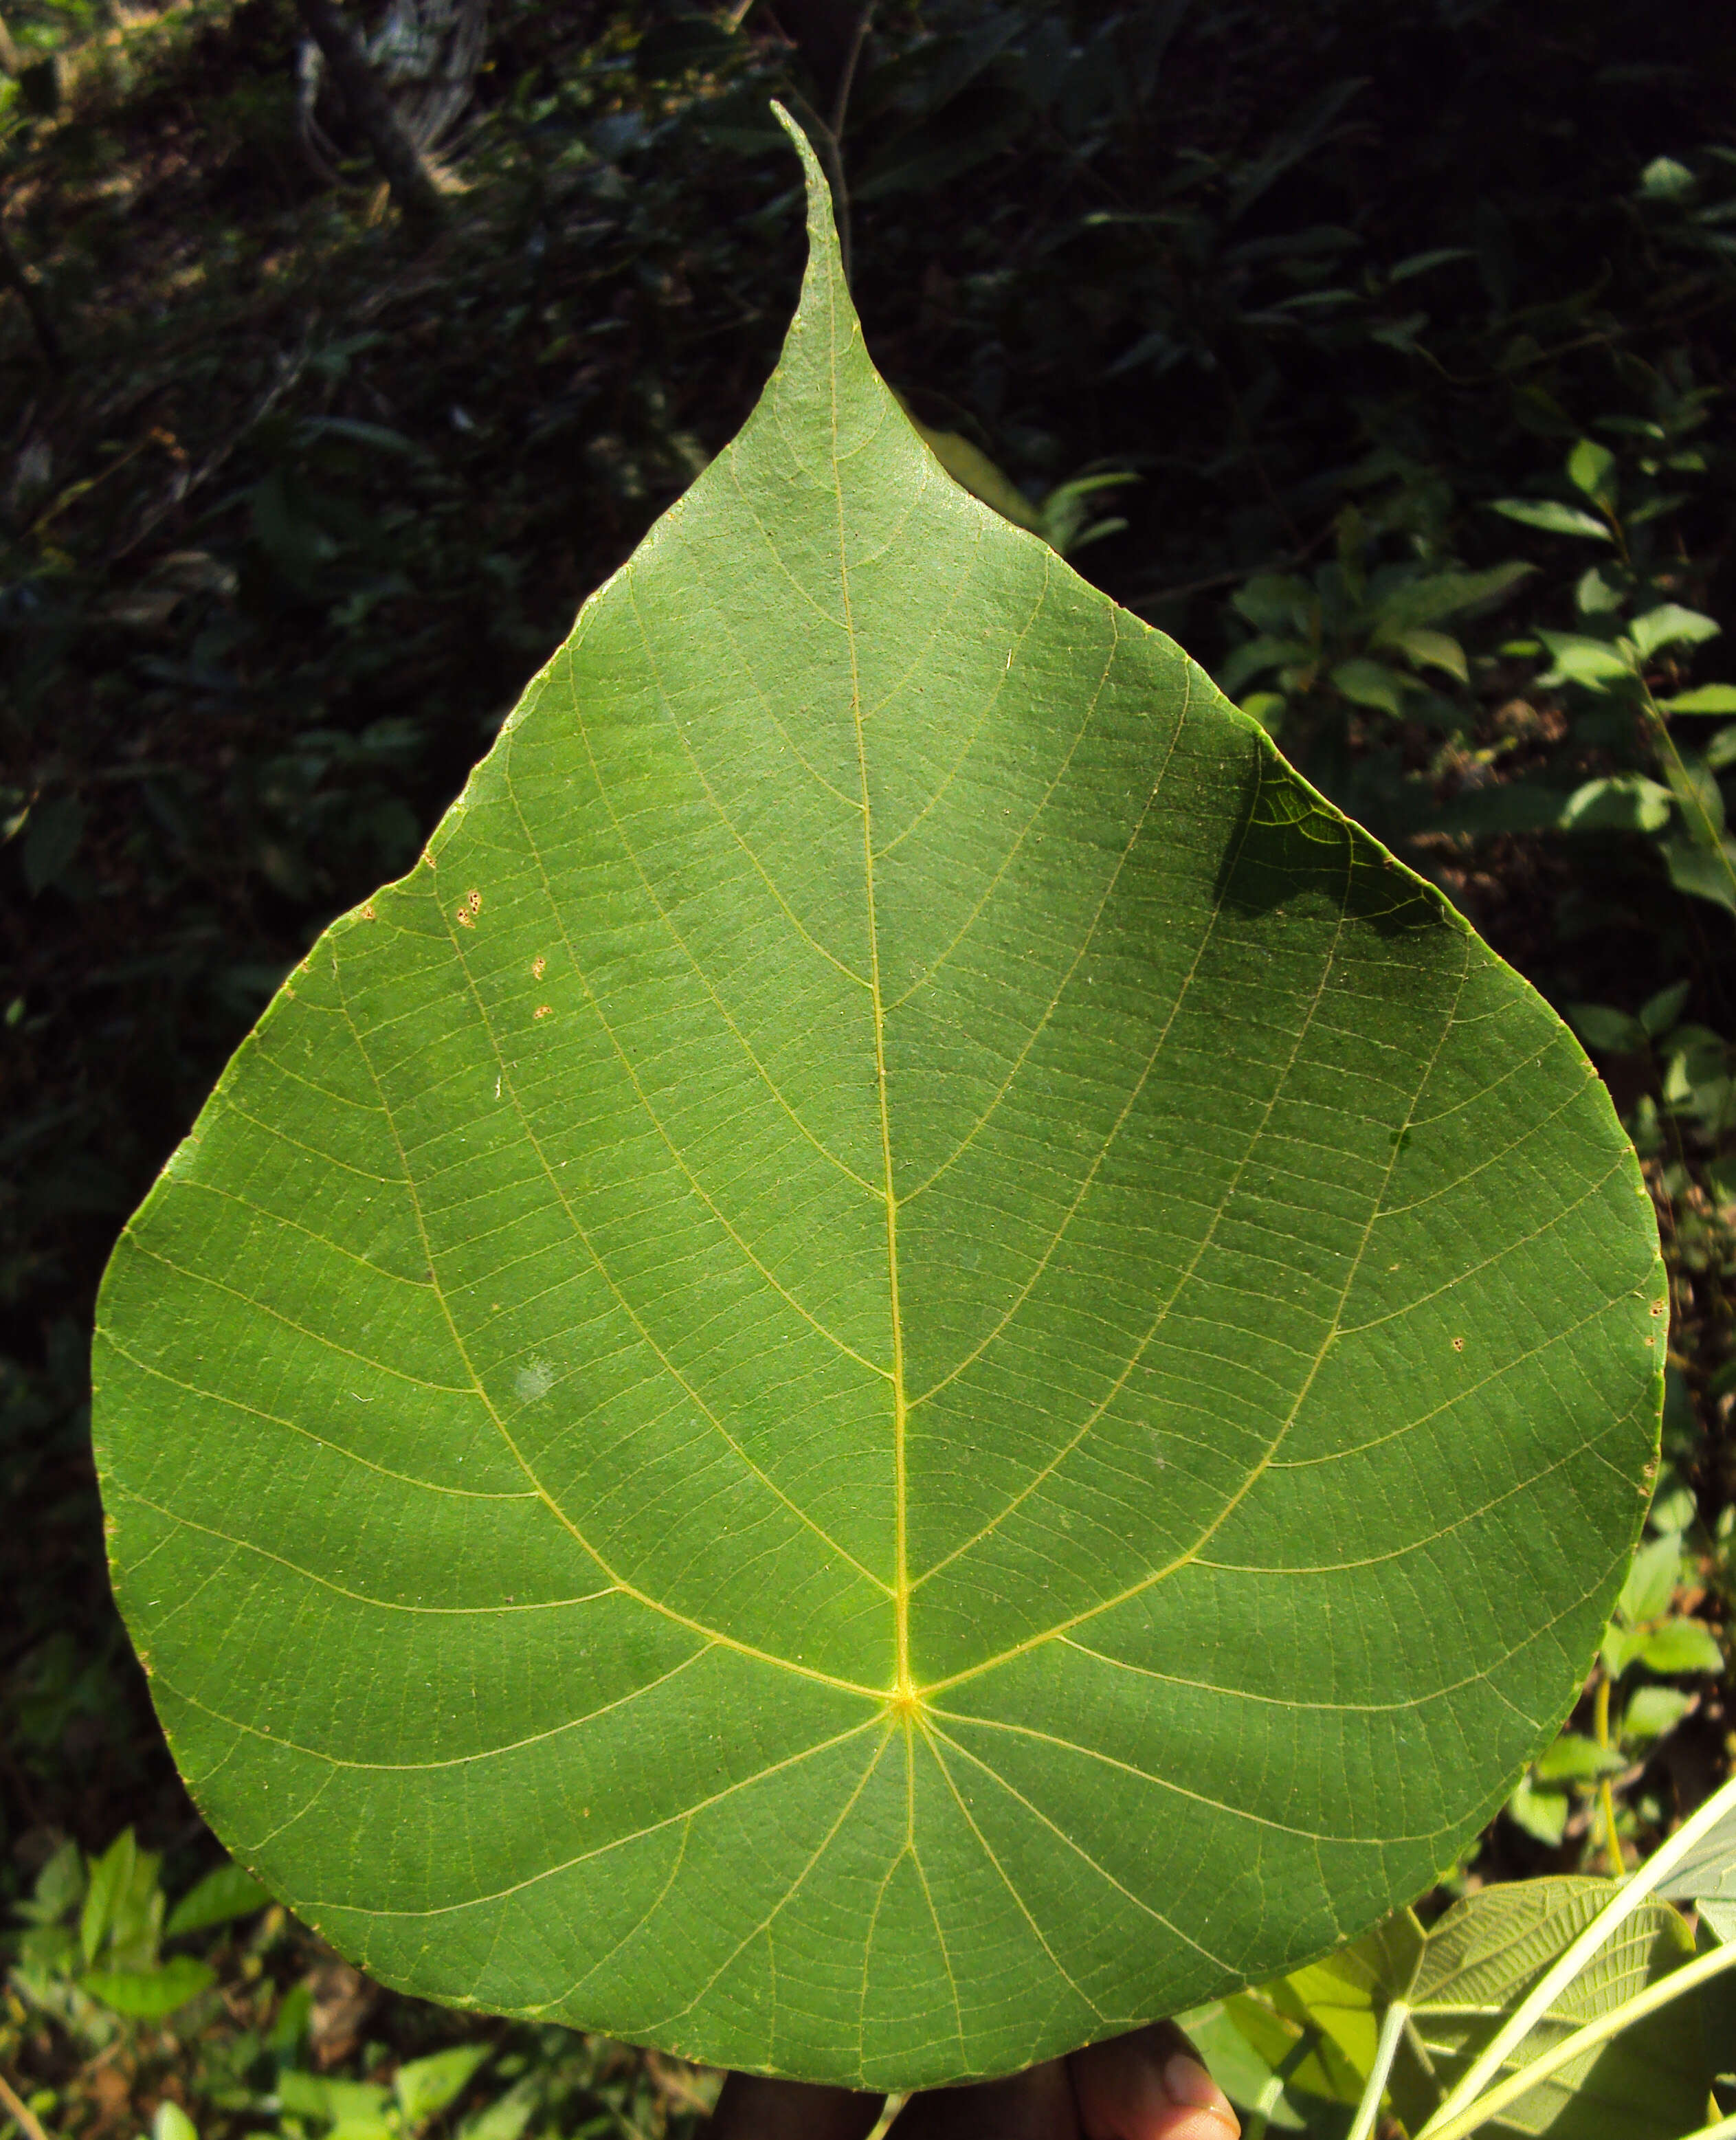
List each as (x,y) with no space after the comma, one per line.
(1574,1759)
(60,1887)
(1619,1648)
(147,1994)
(172,2123)
(1542,1814)
(1367,683)
(1721,751)
(1703,873)
(1256,655)
(1592,469)
(506,2117)
(425,2086)
(110,1878)
(1651,1581)
(228,1892)
(1651,1711)
(1682,1645)
(1594,596)
(1618,802)
(1578,659)
(1703,698)
(1665,179)
(1434,650)
(1546,514)
(1671,625)
(355,2110)
(1658,1013)
(1611,1032)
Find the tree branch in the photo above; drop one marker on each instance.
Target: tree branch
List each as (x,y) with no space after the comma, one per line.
(400,160)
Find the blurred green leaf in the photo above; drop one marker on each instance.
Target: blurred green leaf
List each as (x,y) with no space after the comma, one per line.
(1671,624)
(1574,1759)
(1554,518)
(148,1994)
(1704,698)
(228,1892)
(1682,1645)
(1592,469)
(1651,1711)
(1599,1027)
(1617,802)
(1651,1580)
(425,2086)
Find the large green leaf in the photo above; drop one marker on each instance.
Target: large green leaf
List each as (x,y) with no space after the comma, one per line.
(905,1362)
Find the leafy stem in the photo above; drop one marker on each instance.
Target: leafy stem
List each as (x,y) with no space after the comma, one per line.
(1687,1978)
(1450,2120)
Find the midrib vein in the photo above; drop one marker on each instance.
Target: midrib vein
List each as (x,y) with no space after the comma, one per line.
(902,1693)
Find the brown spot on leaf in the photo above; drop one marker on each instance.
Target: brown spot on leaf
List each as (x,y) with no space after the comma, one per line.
(1458,1344)
(543,1009)
(537,964)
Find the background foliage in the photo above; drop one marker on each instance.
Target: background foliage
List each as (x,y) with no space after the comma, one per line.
(1411,322)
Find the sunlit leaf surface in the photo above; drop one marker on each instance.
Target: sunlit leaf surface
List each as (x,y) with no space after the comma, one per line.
(906,1362)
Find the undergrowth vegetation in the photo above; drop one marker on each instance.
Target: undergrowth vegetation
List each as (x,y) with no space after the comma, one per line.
(1382,353)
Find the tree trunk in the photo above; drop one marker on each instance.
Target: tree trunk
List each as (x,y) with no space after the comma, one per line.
(400,160)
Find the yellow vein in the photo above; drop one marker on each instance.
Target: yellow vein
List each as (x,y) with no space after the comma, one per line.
(981,722)
(928,1894)
(764,1927)
(1056,1963)
(1086,943)
(313,1337)
(1102,1872)
(979,530)
(510,1086)
(341,1590)
(929,972)
(901,1590)
(282,1218)
(453,1760)
(632,1932)
(295,1427)
(1162,1316)
(1107,1146)
(616,1843)
(876,1694)
(1159,1574)
(1145,1776)
(704,980)
(723,815)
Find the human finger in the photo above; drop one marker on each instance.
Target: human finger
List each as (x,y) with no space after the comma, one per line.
(1148,2085)
(1034,2105)
(753,2108)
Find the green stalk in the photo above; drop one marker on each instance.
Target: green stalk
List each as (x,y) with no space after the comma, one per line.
(1606,1792)
(1259,2120)
(1687,1978)
(1392,2028)
(1723,2129)
(1543,1994)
